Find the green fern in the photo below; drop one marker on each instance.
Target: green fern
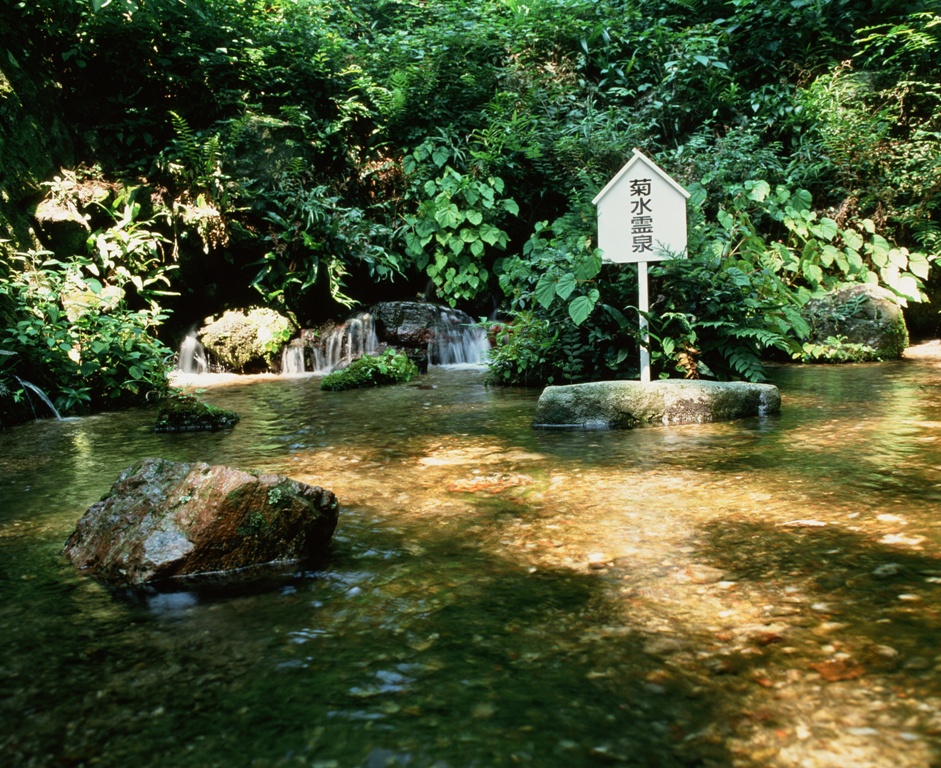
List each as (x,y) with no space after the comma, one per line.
(745,363)
(187,137)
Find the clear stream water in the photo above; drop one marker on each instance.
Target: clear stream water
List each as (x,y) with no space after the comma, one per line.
(754,593)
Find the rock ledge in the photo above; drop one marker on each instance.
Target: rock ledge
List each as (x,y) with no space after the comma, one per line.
(629,404)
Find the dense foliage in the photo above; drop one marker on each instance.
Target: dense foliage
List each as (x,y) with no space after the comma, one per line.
(305,152)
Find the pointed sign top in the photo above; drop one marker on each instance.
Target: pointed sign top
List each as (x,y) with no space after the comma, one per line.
(636,158)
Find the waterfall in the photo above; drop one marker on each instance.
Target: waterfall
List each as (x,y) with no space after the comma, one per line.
(192,355)
(292,359)
(457,341)
(27,385)
(453,339)
(355,338)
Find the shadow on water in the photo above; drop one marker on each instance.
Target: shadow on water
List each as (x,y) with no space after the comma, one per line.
(880,603)
(743,594)
(406,648)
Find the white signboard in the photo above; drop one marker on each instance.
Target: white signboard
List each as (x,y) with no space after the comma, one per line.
(642,218)
(641,214)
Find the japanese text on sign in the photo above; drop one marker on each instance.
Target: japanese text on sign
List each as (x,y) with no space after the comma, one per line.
(641,217)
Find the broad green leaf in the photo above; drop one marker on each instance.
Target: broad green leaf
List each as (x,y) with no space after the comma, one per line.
(440,156)
(899,257)
(854,259)
(869,226)
(475,217)
(825,229)
(586,268)
(469,235)
(919,265)
(545,291)
(490,234)
(456,245)
(581,306)
(477,247)
(908,287)
(852,239)
(449,216)
(759,190)
(565,286)
(725,219)
(813,273)
(801,200)
(828,254)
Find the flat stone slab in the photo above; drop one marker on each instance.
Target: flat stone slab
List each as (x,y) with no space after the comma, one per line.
(629,404)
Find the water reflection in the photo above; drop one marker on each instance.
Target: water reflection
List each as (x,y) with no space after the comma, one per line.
(754,593)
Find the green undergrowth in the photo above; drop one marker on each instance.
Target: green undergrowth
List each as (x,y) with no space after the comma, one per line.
(390,367)
(836,349)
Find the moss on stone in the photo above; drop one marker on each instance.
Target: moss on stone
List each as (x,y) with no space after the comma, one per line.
(184,412)
(390,367)
(247,342)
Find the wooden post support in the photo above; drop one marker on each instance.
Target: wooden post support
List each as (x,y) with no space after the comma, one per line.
(643,304)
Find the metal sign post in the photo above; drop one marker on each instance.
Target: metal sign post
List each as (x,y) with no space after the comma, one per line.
(642,218)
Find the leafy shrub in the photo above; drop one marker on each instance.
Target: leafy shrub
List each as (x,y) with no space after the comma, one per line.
(83,328)
(836,349)
(390,367)
(568,322)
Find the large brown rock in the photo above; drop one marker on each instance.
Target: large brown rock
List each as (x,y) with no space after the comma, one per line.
(165,519)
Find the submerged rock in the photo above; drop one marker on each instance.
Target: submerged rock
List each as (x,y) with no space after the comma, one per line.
(628,404)
(165,519)
(184,412)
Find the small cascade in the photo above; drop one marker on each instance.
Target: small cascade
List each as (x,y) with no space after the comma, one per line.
(447,336)
(457,340)
(28,385)
(355,338)
(192,355)
(293,359)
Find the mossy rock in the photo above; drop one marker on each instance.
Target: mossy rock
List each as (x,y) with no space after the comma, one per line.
(390,367)
(630,404)
(184,412)
(855,323)
(247,342)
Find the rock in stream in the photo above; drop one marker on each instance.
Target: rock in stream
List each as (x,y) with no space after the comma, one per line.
(164,519)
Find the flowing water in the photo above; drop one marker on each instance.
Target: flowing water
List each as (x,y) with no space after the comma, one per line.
(755,593)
